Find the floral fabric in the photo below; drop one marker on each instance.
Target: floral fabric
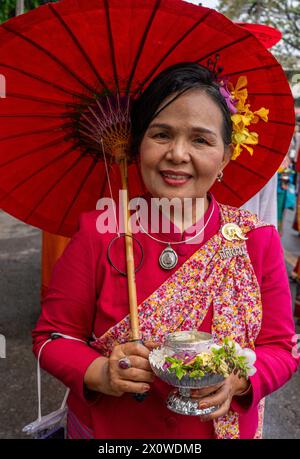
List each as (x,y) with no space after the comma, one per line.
(219,273)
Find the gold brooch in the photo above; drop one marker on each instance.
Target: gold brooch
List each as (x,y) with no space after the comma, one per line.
(231,232)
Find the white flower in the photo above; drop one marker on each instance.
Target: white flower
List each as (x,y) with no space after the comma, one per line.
(250,358)
(215,346)
(157,357)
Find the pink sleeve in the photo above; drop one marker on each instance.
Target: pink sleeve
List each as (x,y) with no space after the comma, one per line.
(275,346)
(69,308)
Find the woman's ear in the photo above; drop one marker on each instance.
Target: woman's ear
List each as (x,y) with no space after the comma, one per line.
(227,155)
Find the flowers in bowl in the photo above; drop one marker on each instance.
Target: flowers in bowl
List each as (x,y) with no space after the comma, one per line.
(217,360)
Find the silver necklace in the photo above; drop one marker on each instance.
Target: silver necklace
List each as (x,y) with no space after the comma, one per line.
(168,258)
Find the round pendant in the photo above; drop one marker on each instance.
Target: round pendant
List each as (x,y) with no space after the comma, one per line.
(168,258)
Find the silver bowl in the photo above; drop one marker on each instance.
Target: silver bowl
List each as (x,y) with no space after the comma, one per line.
(180,400)
(210,379)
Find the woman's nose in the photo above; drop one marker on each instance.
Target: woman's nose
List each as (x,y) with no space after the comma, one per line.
(179,151)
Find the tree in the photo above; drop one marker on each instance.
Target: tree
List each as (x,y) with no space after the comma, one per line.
(284,15)
(8,7)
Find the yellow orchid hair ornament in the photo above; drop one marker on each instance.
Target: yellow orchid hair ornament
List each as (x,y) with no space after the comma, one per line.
(241,115)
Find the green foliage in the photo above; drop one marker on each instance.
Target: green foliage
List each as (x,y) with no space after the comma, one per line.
(8,7)
(221,361)
(284,15)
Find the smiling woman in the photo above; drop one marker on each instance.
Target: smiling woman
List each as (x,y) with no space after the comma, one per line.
(183,133)
(224,284)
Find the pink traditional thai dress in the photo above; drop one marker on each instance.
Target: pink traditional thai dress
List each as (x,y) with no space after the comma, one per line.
(235,288)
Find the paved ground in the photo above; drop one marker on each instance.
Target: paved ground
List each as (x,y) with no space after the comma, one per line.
(19,309)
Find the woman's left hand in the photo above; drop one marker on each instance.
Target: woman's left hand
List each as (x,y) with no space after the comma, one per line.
(220,394)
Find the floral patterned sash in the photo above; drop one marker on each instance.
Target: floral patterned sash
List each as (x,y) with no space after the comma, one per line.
(208,277)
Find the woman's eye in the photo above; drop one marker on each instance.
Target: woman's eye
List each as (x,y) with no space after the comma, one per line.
(161,135)
(200,140)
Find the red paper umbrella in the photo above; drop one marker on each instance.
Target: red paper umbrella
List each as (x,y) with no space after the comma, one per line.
(72,69)
(267,35)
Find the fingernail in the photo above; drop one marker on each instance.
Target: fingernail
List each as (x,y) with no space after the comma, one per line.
(146,388)
(202,406)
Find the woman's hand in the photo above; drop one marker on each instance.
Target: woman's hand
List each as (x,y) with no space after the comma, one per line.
(220,394)
(104,374)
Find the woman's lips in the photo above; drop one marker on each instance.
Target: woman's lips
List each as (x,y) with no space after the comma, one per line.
(175,180)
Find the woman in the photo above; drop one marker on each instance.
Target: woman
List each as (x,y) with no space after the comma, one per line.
(181,130)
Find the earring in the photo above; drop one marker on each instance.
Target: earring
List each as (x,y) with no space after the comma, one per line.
(220,176)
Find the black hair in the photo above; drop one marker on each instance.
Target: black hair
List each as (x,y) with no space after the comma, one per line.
(176,80)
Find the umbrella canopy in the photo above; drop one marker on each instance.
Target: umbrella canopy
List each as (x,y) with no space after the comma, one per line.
(269,36)
(72,69)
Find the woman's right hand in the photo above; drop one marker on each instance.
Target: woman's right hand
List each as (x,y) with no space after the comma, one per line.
(104,374)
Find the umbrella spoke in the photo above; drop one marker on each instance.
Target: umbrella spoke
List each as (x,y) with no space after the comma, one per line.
(257,173)
(263,67)
(35,173)
(231,191)
(279,94)
(88,173)
(36,131)
(57,181)
(42,100)
(285,123)
(111,43)
(142,43)
(217,51)
(51,56)
(33,115)
(35,150)
(277,152)
(77,43)
(171,49)
(47,82)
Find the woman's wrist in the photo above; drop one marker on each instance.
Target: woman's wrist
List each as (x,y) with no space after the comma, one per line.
(96,375)
(243,386)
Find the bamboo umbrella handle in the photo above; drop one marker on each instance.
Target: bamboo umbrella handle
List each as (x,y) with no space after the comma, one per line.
(134,320)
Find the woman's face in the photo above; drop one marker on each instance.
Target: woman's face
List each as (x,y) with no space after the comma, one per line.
(182,151)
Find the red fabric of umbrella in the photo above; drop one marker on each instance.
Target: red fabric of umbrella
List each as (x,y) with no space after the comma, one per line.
(63,62)
(269,36)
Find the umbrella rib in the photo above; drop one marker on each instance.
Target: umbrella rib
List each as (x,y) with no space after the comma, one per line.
(50,55)
(83,52)
(285,123)
(66,152)
(263,67)
(88,173)
(36,172)
(142,43)
(32,115)
(215,51)
(278,152)
(173,47)
(233,192)
(36,131)
(111,43)
(249,170)
(47,82)
(34,150)
(42,100)
(279,94)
